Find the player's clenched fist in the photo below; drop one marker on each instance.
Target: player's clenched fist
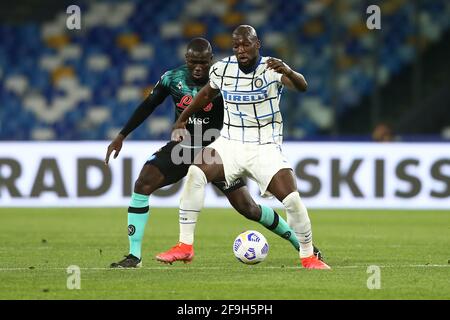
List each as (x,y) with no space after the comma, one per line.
(179,131)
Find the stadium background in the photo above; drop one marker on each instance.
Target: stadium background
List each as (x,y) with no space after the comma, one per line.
(57,84)
(64,94)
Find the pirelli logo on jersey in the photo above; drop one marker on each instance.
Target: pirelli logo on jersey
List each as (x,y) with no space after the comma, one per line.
(239,96)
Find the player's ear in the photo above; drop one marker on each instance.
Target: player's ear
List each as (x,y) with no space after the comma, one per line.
(258,44)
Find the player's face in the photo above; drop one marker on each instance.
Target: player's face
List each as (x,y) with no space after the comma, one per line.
(245,48)
(198,64)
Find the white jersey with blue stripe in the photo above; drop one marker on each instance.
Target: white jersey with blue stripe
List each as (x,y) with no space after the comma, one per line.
(251,101)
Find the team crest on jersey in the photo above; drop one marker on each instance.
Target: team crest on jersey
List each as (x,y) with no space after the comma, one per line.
(258,83)
(180,85)
(186,101)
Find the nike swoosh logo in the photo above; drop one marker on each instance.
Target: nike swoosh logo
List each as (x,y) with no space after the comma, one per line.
(227,84)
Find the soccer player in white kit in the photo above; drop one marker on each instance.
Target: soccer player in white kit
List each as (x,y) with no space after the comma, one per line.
(251,138)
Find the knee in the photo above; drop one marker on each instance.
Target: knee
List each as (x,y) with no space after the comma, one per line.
(196,177)
(249,209)
(145,186)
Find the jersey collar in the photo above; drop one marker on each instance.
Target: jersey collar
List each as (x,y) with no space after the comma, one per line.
(248,70)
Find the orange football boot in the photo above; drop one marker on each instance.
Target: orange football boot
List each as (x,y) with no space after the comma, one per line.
(180,252)
(312,262)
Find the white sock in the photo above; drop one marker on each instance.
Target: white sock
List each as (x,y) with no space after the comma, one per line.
(298,220)
(191,203)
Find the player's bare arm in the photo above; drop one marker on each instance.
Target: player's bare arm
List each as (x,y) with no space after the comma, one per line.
(142,112)
(203,97)
(290,78)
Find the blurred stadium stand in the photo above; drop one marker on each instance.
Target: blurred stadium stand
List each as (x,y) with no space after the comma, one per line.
(57,84)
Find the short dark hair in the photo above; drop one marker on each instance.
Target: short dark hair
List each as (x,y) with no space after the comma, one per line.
(199,45)
(246,31)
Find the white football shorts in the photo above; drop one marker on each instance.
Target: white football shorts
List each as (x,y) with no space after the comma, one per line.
(259,162)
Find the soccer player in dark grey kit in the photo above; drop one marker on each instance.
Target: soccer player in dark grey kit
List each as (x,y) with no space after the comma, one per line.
(160,170)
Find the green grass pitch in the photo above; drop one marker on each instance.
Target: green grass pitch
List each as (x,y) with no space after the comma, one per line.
(412,249)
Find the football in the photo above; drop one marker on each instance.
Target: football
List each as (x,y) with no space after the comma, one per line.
(250,247)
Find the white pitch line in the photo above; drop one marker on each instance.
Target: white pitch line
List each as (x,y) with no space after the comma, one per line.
(221,268)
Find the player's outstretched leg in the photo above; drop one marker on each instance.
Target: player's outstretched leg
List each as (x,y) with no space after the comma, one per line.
(299,220)
(138,213)
(275,223)
(149,180)
(284,188)
(242,202)
(191,203)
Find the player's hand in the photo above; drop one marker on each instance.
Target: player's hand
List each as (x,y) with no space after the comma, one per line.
(179,131)
(116,145)
(278,66)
